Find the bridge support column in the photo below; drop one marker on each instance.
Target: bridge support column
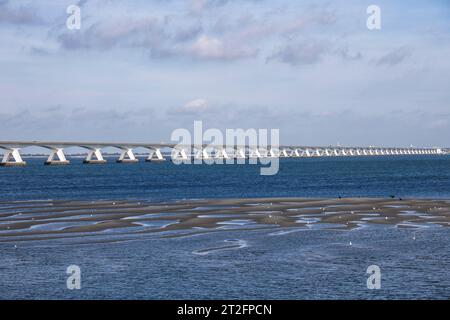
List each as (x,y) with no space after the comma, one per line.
(59,154)
(221,154)
(155,155)
(94,156)
(295,153)
(240,153)
(179,154)
(14,155)
(200,154)
(272,153)
(127,156)
(254,153)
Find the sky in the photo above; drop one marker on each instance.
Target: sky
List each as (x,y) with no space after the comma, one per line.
(137,70)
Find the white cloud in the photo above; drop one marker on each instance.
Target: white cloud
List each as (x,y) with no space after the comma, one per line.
(195,106)
(206,47)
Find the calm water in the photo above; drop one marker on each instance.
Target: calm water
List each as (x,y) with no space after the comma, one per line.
(265,264)
(425,176)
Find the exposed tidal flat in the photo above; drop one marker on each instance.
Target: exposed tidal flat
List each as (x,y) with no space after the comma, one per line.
(121,220)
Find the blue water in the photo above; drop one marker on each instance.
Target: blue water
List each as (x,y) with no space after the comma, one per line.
(257,264)
(306,264)
(421,176)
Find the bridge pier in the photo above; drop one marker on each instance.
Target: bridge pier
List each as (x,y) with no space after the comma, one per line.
(221,154)
(178,154)
(127,156)
(254,154)
(272,153)
(295,153)
(13,154)
(59,154)
(240,153)
(264,153)
(201,154)
(94,156)
(155,155)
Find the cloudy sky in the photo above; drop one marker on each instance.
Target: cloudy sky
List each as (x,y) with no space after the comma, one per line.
(136,70)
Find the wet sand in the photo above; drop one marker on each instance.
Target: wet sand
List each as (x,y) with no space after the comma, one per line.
(43,220)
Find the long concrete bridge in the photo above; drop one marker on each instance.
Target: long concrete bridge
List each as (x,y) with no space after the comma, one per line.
(12,156)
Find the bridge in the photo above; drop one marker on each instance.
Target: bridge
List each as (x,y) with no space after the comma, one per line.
(94,155)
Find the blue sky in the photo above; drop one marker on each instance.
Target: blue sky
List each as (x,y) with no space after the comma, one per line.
(136,70)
